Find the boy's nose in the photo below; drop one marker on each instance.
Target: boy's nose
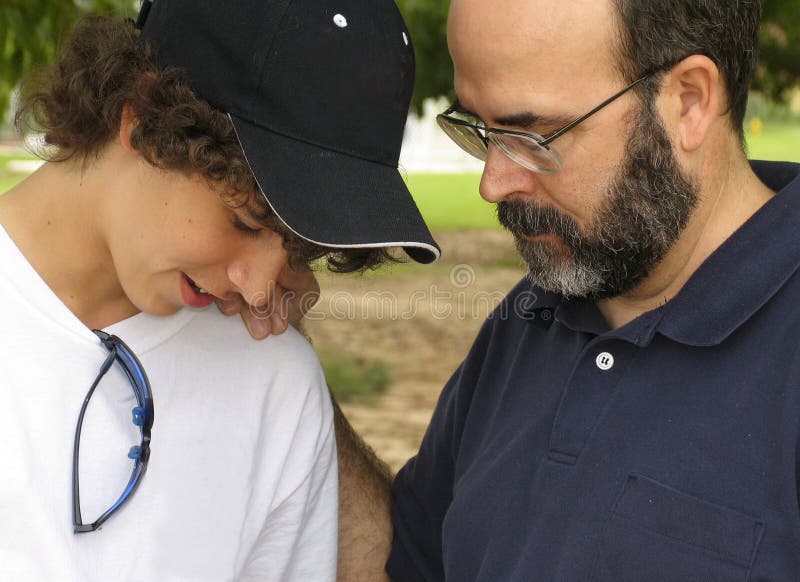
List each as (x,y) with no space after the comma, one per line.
(256,279)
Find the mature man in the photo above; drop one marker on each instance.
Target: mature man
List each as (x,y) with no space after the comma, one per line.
(632,411)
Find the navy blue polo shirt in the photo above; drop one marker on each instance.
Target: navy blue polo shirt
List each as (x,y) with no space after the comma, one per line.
(665,450)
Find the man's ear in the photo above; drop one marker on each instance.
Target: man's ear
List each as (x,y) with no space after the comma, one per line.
(694,86)
(127,123)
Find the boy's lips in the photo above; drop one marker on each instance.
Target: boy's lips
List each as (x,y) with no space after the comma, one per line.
(192,295)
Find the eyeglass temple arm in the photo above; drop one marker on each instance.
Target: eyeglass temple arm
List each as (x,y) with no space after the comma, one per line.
(583,118)
(77,520)
(472,126)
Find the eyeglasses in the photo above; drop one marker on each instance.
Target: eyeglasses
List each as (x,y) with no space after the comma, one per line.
(529,150)
(142,417)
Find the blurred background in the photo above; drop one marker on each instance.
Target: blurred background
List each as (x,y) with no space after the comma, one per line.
(390,339)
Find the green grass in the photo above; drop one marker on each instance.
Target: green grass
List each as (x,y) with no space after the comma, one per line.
(776,142)
(9,179)
(353,378)
(451,201)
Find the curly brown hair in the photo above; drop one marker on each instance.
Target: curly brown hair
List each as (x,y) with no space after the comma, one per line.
(102,66)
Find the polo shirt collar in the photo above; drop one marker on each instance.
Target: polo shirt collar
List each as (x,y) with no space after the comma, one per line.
(745,271)
(728,288)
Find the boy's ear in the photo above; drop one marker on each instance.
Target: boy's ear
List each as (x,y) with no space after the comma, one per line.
(127,123)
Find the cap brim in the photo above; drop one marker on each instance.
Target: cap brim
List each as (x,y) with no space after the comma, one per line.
(333,199)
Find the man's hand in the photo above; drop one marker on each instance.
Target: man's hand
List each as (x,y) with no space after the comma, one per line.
(293,295)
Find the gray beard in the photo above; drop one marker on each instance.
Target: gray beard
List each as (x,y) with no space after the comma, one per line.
(647,206)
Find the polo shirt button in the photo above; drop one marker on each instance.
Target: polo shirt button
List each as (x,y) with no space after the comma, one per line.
(604,361)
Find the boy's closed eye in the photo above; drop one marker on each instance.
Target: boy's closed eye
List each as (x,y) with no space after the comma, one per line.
(250,229)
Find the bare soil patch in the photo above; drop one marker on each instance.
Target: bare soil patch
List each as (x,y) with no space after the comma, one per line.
(421,321)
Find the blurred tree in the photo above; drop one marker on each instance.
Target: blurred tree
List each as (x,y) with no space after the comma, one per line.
(30,30)
(427,21)
(779,68)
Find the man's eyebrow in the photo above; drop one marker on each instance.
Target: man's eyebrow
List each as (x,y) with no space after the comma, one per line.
(530,119)
(523,120)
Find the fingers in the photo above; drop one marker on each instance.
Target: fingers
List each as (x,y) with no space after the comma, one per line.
(259,323)
(300,292)
(300,279)
(258,326)
(278,323)
(230,306)
(276,304)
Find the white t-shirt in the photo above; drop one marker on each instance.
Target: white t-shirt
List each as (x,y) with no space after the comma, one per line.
(241,482)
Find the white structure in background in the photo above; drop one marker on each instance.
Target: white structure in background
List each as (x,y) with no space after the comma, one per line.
(34,142)
(426,148)
(23,166)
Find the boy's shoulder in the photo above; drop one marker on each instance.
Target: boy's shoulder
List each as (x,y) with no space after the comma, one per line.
(220,345)
(228,334)
(222,338)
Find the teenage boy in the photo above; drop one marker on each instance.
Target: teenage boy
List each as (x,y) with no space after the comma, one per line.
(165,445)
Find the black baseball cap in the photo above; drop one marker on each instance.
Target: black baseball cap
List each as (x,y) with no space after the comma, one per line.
(318,93)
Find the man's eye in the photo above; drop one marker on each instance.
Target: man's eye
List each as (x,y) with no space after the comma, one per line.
(240,225)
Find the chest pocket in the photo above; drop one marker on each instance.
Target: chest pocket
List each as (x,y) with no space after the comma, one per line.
(659,534)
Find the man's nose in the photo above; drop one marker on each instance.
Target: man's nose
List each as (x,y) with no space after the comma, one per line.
(503,177)
(255,276)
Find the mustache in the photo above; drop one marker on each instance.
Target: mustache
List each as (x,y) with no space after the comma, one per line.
(531,219)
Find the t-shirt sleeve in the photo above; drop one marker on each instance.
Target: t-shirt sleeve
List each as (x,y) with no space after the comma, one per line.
(297,540)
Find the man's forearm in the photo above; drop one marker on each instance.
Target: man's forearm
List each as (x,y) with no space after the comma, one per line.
(365,526)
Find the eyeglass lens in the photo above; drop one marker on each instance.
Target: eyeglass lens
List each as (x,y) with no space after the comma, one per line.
(467,138)
(523,150)
(526,152)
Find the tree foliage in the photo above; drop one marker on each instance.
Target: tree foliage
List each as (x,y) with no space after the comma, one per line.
(779,46)
(779,68)
(427,22)
(30,29)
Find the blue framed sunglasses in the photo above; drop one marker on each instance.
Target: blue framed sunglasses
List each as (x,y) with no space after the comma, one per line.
(142,416)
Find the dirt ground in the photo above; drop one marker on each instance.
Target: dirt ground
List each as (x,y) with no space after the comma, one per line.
(421,321)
